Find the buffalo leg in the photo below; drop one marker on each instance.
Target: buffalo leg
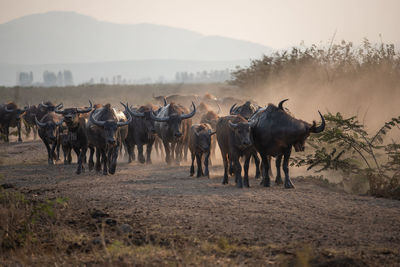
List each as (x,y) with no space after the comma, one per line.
(133,152)
(129,150)
(80,160)
(98,160)
(140,153)
(6,133)
(206,160)
(178,153)
(257,163)
(266,166)
(225,159)
(105,161)
(53,148)
(199,166)
(238,172)
(192,166)
(19,131)
(167,152)
(77,152)
(91,163)
(149,147)
(246,171)
(278,179)
(49,153)
(286,156)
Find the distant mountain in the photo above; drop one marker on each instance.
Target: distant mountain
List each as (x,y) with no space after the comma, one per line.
(68,37)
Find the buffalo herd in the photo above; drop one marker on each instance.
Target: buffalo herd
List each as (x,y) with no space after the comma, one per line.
(176,126)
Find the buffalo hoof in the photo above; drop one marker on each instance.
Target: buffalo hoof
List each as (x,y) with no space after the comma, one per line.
(246,182)
(141,159)
(51,162)
(191,170)
(239,185)
(225,180)
(207,173)
(278,180)
(91,166)
(19,140)
(148,161)
(288,184)
(257,174)
(105,173)
(265,183)
(66,162)
(78,171)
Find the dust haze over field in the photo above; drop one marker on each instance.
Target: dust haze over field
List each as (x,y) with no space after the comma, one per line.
(345,207)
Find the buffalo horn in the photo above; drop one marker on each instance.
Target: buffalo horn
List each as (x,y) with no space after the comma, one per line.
(155,118)
(320,128)
(8,110)
(191,114)
(86,110)
(280,105)
(96,122)
(124,123)
(232,109)
(40,124)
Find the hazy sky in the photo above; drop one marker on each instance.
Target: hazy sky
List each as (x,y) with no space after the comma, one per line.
(277,23)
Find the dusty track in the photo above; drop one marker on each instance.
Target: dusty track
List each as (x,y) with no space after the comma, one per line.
(336,225)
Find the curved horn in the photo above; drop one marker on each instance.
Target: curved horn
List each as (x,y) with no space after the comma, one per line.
(280,105)
(46,106)
(155,118)
(59,106)
(320,128)
(86,110)
(165,101)
(191,114)
(233,125)
(59,111)
(96,122)
(219,109)
(232,109)
(124,123)
(8,110)
(211,132)
(133,112)
(40,124)
(60,122)
(252,123)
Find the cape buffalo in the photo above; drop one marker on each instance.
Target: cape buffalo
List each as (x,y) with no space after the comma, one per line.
(274,133)
(104,133)
(211,118)
(10,116)
(48,132)
(172,126)
(141,132)
(77,138)
(199,144)
(38,112)
(234,140)
(246,111)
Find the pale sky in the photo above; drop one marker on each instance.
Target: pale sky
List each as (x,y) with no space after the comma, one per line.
(276,23)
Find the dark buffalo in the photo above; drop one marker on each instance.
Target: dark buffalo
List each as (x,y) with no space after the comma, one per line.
(76,135)
(48,129)
(274,133)
(10,116)
(234,140)
(105,129)
(172,126)
(211,118)
(141,132)
(246,110)
(38,112)
(199,144)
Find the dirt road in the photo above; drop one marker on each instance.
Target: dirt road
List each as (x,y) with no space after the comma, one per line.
(222,224)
